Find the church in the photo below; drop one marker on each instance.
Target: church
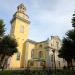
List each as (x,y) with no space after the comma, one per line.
(31,53)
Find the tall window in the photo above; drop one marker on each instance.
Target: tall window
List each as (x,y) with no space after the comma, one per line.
(59,63)
(18,56)
(57,43)
(40,54)
(52,58)
(51,44)
(32,53)
(40,46)
(31,63)
(22,29)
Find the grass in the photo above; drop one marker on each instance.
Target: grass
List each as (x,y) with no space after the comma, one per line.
(37,72)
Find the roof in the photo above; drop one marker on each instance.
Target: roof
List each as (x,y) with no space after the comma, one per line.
(34,42)
(31,41)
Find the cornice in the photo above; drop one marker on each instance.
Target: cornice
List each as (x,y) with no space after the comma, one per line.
(22,19)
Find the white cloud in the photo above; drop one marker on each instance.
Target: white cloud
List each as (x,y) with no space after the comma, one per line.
(47,16)
(57,21)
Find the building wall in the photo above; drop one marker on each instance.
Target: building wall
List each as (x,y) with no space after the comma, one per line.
(29,48)
(19,31)
(37,48)
(47,53)
(32,53)
(55,44)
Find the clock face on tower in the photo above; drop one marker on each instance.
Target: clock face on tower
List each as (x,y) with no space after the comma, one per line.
(21,29)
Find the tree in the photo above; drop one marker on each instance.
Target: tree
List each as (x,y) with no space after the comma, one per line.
(67,50)
(2,30)
(8,46)
(73,21)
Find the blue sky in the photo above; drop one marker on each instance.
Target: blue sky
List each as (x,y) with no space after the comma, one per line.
(48,17)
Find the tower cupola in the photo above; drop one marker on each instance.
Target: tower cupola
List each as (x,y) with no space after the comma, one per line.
(21,8)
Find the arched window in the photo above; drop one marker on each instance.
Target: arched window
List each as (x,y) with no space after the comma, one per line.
(57,43)
(52,58)
(18,56)
(40,54)
(40,45)
(31,63)
(32,53)
(51,44)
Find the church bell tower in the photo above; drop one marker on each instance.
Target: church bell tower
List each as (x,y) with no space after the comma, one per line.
(19,30)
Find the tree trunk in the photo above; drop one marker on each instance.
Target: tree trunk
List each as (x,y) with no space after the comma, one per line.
(5,62)
(2,58)
(1,61)
(72,65)
(68,64)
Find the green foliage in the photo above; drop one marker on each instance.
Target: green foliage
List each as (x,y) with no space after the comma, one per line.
(8,45)
(73,20)
(37,72)
(71,34)
(26,72)
(2,30)
(67,50)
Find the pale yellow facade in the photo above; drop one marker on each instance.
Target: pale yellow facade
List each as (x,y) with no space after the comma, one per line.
(34,57)
(46,58)
(31,53)
(19,31)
